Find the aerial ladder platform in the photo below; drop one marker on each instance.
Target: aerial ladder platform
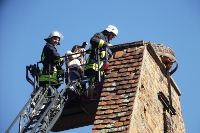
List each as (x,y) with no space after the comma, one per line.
(46,104)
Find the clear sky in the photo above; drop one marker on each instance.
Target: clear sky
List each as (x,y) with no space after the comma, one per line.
(24,24)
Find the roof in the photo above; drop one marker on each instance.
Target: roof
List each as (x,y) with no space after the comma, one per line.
(121,83)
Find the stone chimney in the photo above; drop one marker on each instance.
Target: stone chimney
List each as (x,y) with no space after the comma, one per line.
(139,95)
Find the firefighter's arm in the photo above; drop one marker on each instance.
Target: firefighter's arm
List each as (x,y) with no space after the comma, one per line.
(98,42)
(53,53)
(59,60)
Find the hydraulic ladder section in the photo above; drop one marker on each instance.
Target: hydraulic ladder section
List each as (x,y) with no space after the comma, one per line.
(42,110)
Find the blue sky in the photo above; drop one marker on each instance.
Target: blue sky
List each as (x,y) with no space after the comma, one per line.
(24,24)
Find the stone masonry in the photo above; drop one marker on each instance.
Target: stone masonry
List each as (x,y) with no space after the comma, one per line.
(138,95)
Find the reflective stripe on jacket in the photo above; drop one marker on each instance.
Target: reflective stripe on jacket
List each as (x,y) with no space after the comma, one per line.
(49,76)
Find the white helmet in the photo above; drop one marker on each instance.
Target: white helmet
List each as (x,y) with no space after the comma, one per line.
(55,33)
(113,29)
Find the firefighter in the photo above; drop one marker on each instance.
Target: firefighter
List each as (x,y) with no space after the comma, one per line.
(99,40)
(51,61)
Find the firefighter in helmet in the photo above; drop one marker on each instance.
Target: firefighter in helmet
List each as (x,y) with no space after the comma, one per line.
(99,40)
(51,61)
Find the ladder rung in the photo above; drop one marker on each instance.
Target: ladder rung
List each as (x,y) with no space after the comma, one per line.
(27,129)
(33,122)
(36,117)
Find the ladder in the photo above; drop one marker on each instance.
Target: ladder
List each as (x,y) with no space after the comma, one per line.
(41,111)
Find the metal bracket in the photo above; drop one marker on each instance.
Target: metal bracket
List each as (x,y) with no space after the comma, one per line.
(166,103)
